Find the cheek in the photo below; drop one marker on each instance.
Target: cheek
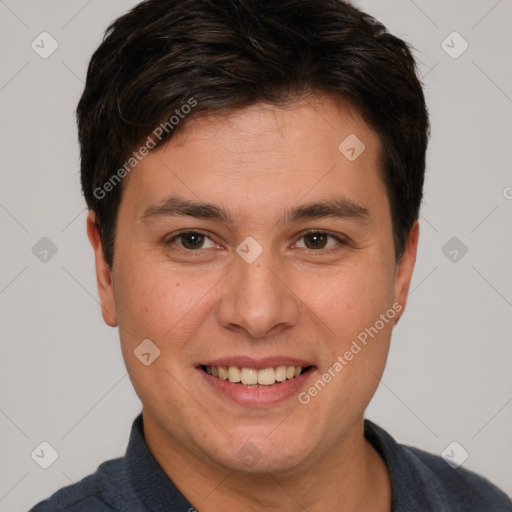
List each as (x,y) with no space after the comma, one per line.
(354,362)
(349,304)
(350,299)
(158,302)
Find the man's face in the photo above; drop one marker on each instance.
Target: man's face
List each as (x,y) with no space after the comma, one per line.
(203,299)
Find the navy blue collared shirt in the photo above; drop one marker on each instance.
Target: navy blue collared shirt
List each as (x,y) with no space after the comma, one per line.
(420,482)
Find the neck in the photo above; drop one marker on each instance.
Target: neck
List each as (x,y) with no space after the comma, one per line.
(348,477)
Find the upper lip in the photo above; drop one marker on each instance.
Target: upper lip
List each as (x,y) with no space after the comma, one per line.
(258,364)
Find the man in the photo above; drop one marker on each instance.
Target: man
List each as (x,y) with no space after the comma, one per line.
(254,172)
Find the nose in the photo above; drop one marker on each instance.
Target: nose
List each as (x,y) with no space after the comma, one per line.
(258,299)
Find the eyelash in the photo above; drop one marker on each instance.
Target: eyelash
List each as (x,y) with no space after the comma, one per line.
(341,241)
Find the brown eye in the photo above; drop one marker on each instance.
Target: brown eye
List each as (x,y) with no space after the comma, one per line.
(318,240)
(191,240)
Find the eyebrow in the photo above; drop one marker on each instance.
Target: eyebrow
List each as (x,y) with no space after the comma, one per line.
(339,208)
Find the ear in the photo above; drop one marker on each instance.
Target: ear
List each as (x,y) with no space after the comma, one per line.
(405,268)
(103,273)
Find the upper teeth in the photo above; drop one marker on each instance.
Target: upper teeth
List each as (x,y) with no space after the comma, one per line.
(251,376)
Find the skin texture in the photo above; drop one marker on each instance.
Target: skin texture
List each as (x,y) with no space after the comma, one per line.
(293,300)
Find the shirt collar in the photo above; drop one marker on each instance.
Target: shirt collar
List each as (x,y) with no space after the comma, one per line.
(413,485)
(153,487)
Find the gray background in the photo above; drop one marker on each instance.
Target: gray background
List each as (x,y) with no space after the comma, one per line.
(62,378)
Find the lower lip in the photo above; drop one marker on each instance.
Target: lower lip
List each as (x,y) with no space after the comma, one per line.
(255,397)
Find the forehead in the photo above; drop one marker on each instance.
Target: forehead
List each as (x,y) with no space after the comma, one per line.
(264,154)
(317,121)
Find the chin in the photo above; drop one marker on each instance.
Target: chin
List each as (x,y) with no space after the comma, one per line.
(255,462)
(265,455)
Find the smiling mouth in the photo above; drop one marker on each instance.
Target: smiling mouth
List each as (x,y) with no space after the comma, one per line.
(254,378)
